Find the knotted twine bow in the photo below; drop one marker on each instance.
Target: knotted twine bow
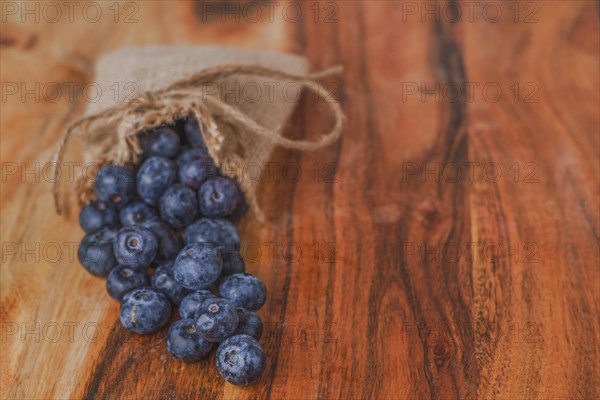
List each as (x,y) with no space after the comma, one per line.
(181,99)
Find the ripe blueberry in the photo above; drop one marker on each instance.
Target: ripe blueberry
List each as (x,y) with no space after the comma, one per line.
(115,185)
(250,324)
(178,206)
(240,210)
(135,213)
(124,279)
(218,231)
(193,134)
(135,247)
(97,215)
(169,242)
(195,172)
(243,290)
(145,310)
(163,281)
(240,360)
(154,177)
(218,197)
(217,319)
(186,343)
(188,154)
(198,266)
(163,141)
(95,251)
(189,306)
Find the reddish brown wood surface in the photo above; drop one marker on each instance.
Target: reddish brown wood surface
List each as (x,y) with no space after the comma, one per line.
(404,280)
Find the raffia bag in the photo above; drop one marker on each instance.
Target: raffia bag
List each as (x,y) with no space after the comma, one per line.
(173,82)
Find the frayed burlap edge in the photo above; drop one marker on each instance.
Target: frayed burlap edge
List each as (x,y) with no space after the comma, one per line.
(112,135)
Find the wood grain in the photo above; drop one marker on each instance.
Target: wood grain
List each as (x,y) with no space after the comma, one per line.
(389,280)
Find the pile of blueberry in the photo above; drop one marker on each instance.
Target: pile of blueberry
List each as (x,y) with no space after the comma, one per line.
(161,233)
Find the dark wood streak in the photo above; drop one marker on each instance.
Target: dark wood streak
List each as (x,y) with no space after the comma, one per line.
(449,58)
(450,146)
(456,146)
(106,360)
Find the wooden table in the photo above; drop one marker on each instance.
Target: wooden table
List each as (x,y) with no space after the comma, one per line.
(452,253)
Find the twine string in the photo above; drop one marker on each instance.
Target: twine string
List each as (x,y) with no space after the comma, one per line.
(149,108)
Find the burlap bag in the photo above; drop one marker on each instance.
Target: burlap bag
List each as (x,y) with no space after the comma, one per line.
(142,88)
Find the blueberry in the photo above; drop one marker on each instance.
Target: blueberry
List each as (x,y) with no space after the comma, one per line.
(193,134)
(188,154)
(186,343)
(124,279)
(168,264)
(135,213)
(218,231)
(169,242)
(97,215)
(250,324)
(195,172)
(218,197)
(95,252)
(240,210)
(189,306)
(233,263)
(243,290)
(217,319)
(154,177)
(163,281)
(115,185)
(163,141)
(198,266)
(178,206)
(240,360)
(135,247)
(145,310)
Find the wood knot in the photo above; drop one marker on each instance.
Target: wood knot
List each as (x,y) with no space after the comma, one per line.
(429,211)
(441,355)
(439,350)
